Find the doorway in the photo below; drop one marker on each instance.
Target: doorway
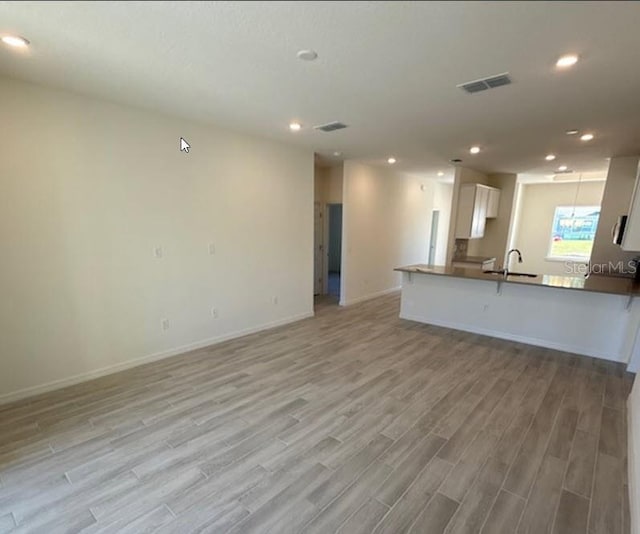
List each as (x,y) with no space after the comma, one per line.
(334,249)
(433,239)
(318,249)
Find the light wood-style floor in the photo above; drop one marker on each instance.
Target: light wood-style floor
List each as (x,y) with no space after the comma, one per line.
(353,422)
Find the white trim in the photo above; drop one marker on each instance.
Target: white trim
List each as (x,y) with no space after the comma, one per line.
(575,349)
(568,259)
(370,296)
(634,496)
(90,375)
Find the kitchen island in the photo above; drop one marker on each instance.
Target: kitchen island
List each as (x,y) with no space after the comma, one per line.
(597,316)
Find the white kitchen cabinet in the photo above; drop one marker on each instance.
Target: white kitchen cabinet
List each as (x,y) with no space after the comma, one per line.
(631,237)
(494,203)
(473,209)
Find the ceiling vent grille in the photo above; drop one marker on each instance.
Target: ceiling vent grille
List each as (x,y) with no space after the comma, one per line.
(484,84)
(330,126)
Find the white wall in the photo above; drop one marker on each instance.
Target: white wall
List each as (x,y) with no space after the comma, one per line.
(535,220)
(442,197)
(334,185)
(386,223)
(496,233)
(328,184)
(89,189)
(616,200)
(319,174)
(462,176)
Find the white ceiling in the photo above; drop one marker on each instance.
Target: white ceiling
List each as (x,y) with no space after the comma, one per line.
(388,69)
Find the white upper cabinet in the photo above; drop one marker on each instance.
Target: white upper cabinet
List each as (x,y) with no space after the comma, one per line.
(476,203)
(631,236)
(494,203)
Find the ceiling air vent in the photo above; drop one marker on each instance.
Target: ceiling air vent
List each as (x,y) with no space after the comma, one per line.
(491,82)
(330,126)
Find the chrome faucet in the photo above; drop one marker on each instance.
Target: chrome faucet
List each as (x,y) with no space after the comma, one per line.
(506,263)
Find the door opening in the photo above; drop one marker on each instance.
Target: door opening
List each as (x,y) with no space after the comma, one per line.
(318,249)
(334,249)
(433,239)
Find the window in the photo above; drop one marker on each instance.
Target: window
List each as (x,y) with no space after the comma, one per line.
(573,231)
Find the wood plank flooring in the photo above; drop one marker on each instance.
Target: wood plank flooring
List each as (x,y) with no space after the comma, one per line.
(353,421)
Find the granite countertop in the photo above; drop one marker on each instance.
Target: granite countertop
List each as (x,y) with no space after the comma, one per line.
(595,283)
(473,259)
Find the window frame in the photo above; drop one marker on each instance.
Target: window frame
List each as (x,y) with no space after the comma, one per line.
(573,258)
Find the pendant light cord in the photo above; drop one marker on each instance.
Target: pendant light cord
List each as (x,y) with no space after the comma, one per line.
(575,199)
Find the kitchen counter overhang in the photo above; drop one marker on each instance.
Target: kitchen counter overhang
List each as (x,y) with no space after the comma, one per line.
(597,316)
(595,283)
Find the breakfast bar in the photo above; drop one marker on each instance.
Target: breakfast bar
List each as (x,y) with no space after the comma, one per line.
(597,316)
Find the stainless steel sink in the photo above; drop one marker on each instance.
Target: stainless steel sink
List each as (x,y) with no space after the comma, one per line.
(510,273)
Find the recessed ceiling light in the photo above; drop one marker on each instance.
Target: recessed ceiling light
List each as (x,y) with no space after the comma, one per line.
(550,157)
(586,137)
(15,40)
(391,161)
(337,154)
(567,61)
(474,149)
(307,55)
(440,173)
(295,126)
(571,132)
(562,168)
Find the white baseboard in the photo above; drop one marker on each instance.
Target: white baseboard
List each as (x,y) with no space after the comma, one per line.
(370,296)
(512,337)
(103,371)
(634,484)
